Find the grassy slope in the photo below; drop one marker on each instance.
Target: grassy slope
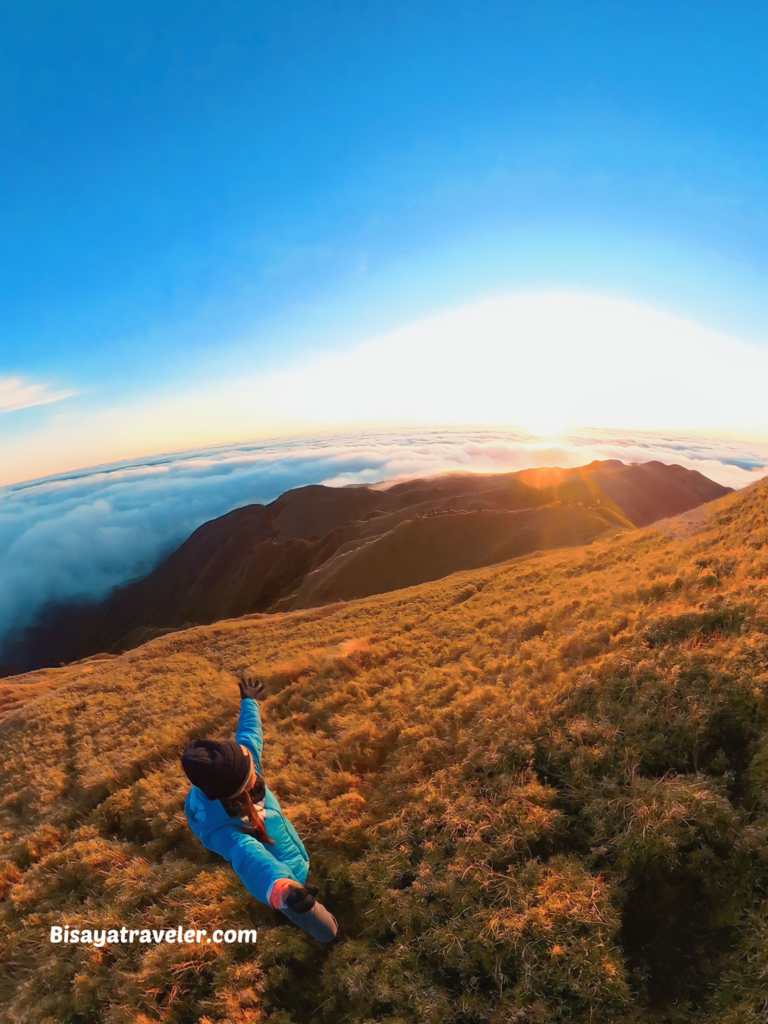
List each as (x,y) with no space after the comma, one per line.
(533,792)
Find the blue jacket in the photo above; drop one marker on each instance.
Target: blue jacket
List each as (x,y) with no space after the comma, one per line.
(257,865)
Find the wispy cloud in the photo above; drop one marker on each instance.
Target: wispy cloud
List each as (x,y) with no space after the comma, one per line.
(80,534)
(16,394)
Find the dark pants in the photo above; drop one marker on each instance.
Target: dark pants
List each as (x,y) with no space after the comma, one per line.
(318,922)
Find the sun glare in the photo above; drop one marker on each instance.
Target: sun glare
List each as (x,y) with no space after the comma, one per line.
(547,425)
(544,362)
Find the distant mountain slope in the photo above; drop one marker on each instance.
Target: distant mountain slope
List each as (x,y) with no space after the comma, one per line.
(423,549)
(533,793)
(643,493)
(302,548)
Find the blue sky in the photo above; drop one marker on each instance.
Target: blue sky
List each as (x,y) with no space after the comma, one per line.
(194,192)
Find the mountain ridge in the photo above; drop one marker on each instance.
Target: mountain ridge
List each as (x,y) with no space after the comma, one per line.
(316,544)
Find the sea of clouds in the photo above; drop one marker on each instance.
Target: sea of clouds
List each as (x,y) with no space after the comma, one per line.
(78,535)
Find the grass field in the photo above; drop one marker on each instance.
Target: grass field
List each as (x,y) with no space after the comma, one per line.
(536,792)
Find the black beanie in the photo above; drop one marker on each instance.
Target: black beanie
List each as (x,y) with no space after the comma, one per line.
(218,767)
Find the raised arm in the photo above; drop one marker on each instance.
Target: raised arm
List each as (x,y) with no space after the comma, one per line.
(249,731)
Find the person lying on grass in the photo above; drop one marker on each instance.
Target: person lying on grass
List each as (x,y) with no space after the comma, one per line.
(233,813)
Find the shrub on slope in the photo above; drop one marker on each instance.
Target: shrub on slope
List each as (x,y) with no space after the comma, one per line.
(534,792)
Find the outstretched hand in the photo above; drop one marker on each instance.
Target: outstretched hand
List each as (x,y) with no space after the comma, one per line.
(250,686)
(301,900)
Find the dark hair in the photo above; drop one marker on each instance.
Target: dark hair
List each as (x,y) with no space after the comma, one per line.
(243,803)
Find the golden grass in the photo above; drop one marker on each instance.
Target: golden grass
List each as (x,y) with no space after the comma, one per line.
(533,792)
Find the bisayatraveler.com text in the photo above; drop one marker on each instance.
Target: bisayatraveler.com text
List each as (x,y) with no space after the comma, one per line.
(125,936)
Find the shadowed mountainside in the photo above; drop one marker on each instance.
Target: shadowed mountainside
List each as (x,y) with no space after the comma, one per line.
(423,549)
(533,792)
(317,544)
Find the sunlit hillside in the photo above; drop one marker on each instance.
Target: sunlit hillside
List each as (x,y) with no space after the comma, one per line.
(536,792)
(317,544)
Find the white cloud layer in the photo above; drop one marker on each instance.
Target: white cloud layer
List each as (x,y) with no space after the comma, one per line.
(81,534)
